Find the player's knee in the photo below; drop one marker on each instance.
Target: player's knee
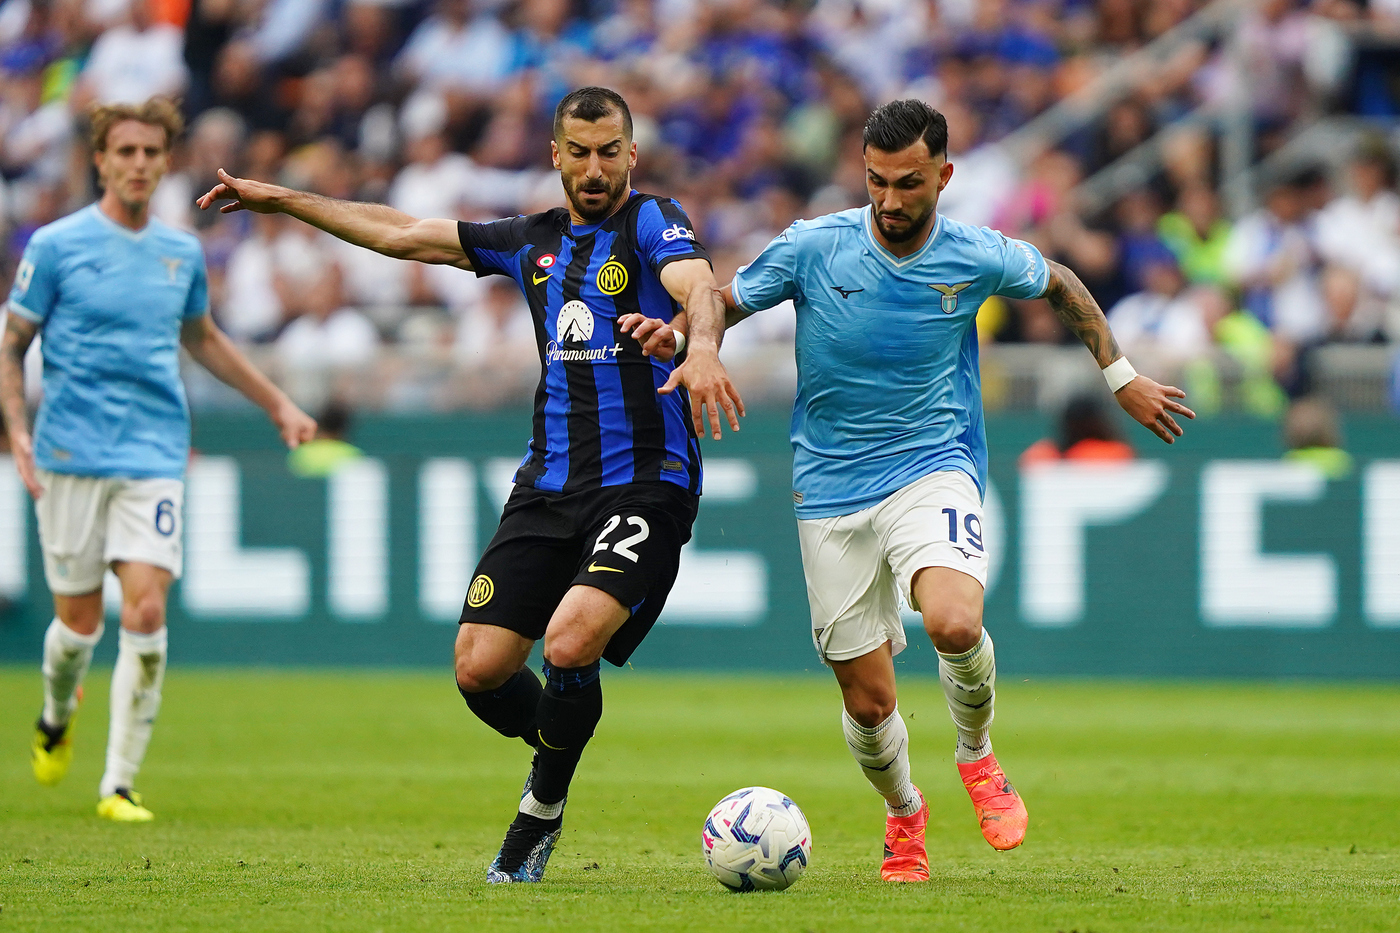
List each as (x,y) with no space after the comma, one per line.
(476,676)
(954,627)
(870,708)
(570,649)
(144,614)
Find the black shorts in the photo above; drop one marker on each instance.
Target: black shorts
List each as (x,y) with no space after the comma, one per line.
(625,540)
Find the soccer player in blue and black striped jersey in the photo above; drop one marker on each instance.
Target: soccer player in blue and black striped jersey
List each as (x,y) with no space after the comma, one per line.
(589,542)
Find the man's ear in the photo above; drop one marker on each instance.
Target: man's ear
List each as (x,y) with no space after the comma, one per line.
(554,153)
(945,175)
(632,157)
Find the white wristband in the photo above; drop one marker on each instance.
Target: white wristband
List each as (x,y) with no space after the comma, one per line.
(680,343)
(1119,373)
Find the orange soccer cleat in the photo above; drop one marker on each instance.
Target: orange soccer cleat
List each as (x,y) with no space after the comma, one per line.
(906,859)
(999,808)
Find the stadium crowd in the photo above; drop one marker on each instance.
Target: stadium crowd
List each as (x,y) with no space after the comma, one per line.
(749,113)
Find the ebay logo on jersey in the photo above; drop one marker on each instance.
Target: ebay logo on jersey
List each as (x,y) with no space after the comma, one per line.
(677,232)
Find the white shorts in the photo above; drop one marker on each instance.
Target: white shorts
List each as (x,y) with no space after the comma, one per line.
(859,566)
(88,522)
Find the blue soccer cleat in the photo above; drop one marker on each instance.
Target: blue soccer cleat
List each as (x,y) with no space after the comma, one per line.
(528,844)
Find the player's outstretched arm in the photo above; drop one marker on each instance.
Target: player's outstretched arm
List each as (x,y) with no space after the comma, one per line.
(373,226)
(216,353)
(19,334)
(1151,405)
(692,283)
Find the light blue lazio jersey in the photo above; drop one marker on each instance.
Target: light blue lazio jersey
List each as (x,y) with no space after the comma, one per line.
(888,388)
(110,302)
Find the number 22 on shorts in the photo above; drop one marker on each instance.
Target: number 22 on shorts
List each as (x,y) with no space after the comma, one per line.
(623,548)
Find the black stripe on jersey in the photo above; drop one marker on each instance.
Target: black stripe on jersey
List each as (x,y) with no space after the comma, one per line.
(537,298)
(585,435)
(638,384)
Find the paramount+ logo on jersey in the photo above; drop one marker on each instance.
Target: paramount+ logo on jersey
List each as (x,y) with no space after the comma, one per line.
(575,327)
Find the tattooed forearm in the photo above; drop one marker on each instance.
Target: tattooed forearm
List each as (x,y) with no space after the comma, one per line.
(19,334)
(1079,312)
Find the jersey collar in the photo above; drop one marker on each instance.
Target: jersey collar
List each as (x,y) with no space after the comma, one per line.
(113,225)
(584,229)
(891,258)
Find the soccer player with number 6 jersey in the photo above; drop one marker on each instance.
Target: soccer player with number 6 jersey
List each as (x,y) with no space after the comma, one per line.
(889,452)
(115,293)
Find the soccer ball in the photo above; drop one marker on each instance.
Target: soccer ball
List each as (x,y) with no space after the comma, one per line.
(756,839)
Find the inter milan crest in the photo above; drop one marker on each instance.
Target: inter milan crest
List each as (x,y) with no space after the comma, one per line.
(612,278)
(950,295)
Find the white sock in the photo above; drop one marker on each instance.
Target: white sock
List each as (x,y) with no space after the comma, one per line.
(136,684)
(545,811)
(883,754)
(66,658)
(969,682)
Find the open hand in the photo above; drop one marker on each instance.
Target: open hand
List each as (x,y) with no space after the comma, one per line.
(658,339)
(710,389)
(1152,406)
(246,194)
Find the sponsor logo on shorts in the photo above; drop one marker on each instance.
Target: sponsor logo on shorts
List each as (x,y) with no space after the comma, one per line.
(481,591)
(968,554)
(594,567)
(612,278)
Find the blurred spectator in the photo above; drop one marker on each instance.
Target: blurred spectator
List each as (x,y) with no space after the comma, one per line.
(1163,326)
(325,454)
(457,48)
(135,61)
(1365,280)
(1272,255)
(1087,433)
(326,343)
(1198,235)
(1247,356)
(1312,434)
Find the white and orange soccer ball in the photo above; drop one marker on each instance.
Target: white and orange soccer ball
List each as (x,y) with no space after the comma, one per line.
(756,839)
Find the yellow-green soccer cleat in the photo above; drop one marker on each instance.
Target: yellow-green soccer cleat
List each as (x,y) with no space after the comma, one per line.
(124,807)
(51,752)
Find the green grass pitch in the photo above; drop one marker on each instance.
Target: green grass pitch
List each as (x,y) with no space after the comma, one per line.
(294,800)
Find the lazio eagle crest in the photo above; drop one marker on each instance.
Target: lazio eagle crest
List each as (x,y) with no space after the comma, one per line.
(950,295)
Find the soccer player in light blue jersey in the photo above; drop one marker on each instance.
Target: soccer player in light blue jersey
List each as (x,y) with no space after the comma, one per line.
(115,293)
(890,457)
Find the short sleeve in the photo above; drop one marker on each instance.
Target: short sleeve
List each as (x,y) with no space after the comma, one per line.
(492,247)
(665,234)
(35,291)
(770,279)
(197,301)
(1024,272)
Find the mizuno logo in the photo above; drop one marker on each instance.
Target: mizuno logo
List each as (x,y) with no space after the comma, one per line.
(968,554)
(846,292)
(594,567)
(540,278)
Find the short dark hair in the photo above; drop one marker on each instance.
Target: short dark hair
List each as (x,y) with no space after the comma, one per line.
(900,123)
(592,104)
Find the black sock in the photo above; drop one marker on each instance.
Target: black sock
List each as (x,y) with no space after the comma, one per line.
(510,708)
(570,707)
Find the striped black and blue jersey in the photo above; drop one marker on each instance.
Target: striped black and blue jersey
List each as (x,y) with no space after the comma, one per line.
(598,418)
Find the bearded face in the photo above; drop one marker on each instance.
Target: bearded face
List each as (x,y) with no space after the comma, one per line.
(595,161)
